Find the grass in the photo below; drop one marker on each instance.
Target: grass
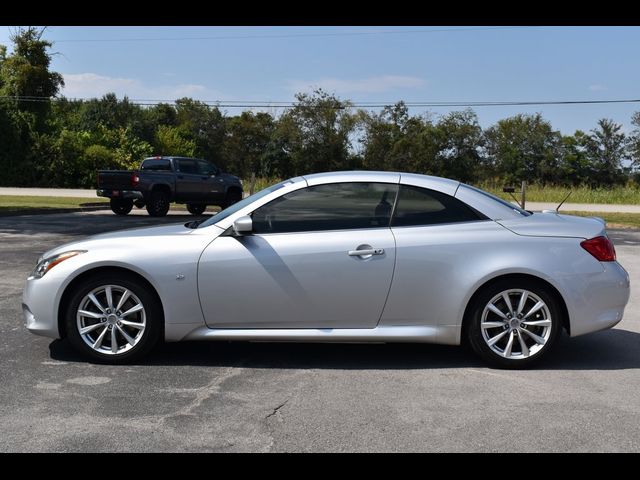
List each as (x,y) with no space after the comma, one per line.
(537,193)
(614,220)
(14,203)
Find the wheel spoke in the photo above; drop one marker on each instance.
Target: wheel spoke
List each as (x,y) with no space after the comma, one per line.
(496,310)
(534,309)
(522,302)
(507,349)
(109,295)
(127,337)
(87,313)
(507,300)
(98,343)
(497,337)
(133,309)
(139,326)
(539,340)
(492,324)
(114,341)
(90,328)
(538,323)
(95,301)
(125,296)
(523,346)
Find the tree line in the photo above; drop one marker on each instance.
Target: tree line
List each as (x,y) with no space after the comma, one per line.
(48,140)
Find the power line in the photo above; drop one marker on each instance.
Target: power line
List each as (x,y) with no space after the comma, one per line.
(294,35)
(279,104)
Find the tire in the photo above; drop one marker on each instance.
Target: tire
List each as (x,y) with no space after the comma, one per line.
(139,203)
(141,340)
(233,196)
(196,208)
(158,204)
(508,333)
(120,206)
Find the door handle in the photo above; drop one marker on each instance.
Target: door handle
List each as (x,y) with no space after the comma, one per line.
(368,251)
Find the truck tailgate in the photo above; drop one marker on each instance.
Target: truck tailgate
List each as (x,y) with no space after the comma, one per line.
(115,179)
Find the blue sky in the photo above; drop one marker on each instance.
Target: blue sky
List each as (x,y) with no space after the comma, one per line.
(459,64)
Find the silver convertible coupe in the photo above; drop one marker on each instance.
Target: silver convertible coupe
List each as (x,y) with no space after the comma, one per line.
(338,257)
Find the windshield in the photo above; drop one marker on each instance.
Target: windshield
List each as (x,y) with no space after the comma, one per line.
(242,203)
(522,212)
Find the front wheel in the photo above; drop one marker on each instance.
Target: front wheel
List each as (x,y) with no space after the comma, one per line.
(232,196)
(196,208)
(514,323)
(113,319)
(120,206)
(158,204)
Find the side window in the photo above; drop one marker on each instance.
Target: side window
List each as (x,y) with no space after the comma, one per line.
(335,206)
(420,206)
(187,166)
(207,168)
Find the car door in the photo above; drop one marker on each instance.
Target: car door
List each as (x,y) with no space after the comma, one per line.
(213,184)
(320,257)
(188,180)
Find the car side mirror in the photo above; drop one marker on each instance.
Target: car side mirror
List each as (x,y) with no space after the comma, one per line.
(243,226)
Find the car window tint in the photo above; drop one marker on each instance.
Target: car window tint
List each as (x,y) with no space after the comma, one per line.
(156,164)
(335,206)
(420,206)
(206,168)
(187,166)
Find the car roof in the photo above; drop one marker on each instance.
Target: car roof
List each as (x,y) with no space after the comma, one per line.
(440,184)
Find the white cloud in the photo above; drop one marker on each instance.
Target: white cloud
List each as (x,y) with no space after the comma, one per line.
(596,87)
(378,84)
(90,85)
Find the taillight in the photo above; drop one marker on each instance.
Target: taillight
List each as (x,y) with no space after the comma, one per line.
(601,248)
(135,179)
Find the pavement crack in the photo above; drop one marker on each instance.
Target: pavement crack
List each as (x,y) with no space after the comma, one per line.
(277,409)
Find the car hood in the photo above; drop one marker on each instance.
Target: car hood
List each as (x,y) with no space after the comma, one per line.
(139,236)
(551,224)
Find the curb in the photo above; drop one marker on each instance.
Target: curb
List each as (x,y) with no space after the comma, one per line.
(50,211)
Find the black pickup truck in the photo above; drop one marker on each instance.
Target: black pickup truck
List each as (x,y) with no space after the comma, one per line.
(162,180)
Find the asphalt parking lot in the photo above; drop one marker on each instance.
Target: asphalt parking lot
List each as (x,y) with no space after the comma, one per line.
(202,397)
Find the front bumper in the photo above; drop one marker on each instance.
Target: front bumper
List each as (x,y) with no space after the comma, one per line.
(39,308)
(124,194)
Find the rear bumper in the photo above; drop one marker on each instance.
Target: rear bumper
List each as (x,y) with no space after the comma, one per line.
(124,194)
(598,300)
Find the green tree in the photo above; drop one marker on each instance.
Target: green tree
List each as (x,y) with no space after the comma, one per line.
(607,148)
(460,152)
(524,147)
(25,73)
(247,143)
(170,141)
(634,141)
(318,130)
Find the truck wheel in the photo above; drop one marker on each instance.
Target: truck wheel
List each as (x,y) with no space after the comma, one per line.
(120,206)
(158,204)
(139,203)
(233,196)
(196,208)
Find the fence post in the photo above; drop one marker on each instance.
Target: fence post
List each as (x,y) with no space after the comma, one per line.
(523,190)
(252,186)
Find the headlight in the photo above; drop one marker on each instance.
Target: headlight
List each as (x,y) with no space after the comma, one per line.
(46,264)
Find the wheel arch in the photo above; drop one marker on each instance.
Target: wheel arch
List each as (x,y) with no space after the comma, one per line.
(101,270)
(522,276)
(161,187)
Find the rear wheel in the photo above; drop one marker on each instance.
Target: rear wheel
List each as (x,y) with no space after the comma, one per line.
(514,323)
(113,319)
(120,206)
(196,208)
(158,204)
